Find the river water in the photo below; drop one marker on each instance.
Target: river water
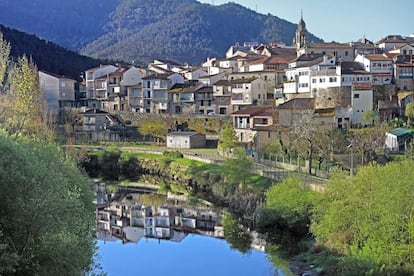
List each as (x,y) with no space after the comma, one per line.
(151,234)
(195,255)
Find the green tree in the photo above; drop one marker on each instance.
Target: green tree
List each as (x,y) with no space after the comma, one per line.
(4,60)
(275,147)
(25,104)
(235,234)
(239,167)
(370,117)
(369,216)
(409,112)
(46,210)
(227,138)
(288,206)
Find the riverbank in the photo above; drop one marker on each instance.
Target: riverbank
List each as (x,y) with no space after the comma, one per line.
(195,178)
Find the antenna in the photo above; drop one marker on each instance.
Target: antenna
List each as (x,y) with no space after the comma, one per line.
(301,13)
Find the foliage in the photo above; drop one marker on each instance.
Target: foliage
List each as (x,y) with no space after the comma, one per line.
(239,167)
(173,154)
(24,104)
(409,112)
(227,138)
(4,59)
(235,235)
(275,147)
(370,116)
(46,211)
(112,164)
(288,206)
(370,216)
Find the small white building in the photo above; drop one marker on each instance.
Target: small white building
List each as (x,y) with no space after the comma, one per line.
(398,139)
(185,140)
(361,101)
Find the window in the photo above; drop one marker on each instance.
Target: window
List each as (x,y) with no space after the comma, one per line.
(332,79)
(313,80)
(356,96)
(321,80)
(346,53)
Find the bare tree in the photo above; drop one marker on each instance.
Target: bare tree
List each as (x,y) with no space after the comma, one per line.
(308,137)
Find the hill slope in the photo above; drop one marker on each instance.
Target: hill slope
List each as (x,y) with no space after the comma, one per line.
(137,31)
(184,30)
(70,23)
(48,56)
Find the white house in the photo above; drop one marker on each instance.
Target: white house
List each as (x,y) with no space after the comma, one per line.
(155,91)
(246,92)
(391,42)
(195,73)
(406,50)
(92,86)
(379,65)
(132,81)
(222,96)
(362,101)
(59,91)
(185,139)
(298,75)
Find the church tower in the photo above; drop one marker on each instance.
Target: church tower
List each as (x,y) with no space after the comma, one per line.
(300,36)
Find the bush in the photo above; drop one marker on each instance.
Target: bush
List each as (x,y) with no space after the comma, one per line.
(173,154)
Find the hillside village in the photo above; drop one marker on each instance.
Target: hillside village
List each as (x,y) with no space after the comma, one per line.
(263,87)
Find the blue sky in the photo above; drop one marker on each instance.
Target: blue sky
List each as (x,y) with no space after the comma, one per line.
(341,21)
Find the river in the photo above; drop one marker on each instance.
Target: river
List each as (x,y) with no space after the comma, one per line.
(150,234)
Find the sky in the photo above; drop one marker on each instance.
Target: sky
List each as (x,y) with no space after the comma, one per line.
(340,20)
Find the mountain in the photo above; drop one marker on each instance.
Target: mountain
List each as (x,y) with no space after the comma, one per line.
(48,56)
(70,23)
(137,31)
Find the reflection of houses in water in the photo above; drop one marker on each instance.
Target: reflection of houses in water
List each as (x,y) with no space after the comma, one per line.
(131,222)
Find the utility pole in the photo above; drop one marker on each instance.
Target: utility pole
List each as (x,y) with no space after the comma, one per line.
(351,146)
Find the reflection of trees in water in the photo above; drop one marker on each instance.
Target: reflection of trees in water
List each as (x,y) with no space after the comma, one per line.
(236,235)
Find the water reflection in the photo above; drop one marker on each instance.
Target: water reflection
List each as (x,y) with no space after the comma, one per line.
(124,216)
(140,219)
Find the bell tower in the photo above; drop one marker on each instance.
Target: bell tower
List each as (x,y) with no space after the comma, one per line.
(301,34)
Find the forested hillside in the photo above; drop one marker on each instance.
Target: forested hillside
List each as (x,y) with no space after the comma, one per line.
(183,30)
(46,55)
(137,31)
(70,23)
